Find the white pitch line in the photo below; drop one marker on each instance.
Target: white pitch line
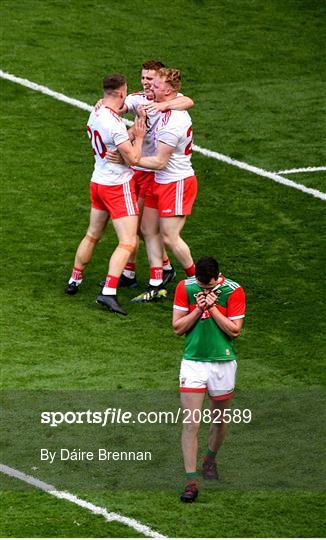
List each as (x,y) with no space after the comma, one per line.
(45,90)
(98,510)
(208,153)
(261,172)
(302,169)
(48,92)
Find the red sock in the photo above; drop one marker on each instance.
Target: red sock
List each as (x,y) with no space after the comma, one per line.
(76,274)
(156,272)
(190,272)
(111,281)
(130,266)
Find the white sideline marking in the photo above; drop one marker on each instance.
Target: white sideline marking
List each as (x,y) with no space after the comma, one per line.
(208,153)
(261,172)
(108,516)
(302,169)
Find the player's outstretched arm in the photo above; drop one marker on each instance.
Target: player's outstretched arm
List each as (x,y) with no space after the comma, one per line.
(180,103)
(157,162)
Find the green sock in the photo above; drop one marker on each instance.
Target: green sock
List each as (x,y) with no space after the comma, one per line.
(191,476)
(211,454)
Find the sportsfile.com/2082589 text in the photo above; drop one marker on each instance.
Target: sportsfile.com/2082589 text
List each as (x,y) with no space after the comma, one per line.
(113,415)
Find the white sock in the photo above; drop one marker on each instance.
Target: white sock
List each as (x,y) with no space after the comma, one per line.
(109,291)
(155,282)
(129,273)
(77,281)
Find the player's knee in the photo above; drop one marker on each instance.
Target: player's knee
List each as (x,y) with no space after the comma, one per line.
(168,239)
(145,230)
(94,234)
(130,244)
(191,427)
(92,237)
(133,242)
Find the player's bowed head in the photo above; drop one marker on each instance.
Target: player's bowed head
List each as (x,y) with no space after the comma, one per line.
(115,85)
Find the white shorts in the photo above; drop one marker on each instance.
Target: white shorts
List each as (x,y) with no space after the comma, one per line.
(218,378)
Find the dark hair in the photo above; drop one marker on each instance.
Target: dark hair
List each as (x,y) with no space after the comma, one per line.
(152,64)
(206,269)
(113,82)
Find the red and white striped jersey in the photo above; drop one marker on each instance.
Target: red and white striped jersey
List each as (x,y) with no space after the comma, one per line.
(106,130)
(175,129)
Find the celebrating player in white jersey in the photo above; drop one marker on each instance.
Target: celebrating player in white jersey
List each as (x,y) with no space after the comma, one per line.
(174,190)
(144,177)
(111,189)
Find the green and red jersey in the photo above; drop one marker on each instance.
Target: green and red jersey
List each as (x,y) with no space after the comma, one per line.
(205,341)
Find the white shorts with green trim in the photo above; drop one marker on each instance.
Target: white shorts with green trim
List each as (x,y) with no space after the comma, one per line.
(217,378)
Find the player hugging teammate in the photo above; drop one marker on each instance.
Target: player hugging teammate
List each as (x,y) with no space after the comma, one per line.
(165,148)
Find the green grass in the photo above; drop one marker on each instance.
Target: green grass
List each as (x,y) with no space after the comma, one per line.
(255,72)
(236,514)
(53,516)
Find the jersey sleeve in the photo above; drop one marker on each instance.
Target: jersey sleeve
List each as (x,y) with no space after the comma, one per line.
(181,298)
(132,104)
(120,134)
(172,128)
(236,306)
(168,137)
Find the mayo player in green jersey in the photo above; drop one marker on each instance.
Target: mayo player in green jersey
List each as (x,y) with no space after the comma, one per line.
(209,309)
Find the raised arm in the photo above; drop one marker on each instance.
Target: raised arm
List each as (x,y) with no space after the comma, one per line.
(231,327)
(180,103)
(182,322)
(183,319)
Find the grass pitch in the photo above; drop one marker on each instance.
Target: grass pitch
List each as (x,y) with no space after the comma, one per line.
(254,70)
